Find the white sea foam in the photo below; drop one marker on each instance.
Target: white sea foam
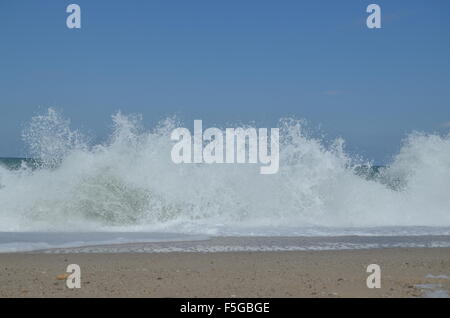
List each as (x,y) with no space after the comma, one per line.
(131,184)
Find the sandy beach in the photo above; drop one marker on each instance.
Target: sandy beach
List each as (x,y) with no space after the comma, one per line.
(405,272)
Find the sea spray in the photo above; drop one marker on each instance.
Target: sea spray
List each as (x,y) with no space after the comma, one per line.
(130,183)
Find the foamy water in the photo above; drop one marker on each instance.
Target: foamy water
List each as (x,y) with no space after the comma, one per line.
(130,184)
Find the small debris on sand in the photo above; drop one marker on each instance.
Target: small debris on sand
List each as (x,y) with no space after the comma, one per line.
(62,276)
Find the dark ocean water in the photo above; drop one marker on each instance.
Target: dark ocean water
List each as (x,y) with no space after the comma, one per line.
(16,163)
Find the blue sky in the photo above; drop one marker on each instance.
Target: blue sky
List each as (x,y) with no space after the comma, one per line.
(230,61)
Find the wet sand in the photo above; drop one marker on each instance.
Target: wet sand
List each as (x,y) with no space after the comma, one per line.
(405,272)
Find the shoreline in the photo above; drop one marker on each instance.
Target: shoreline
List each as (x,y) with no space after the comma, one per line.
(405,272)
(260,244)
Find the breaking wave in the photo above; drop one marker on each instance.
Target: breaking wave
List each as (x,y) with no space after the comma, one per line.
(129,183)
